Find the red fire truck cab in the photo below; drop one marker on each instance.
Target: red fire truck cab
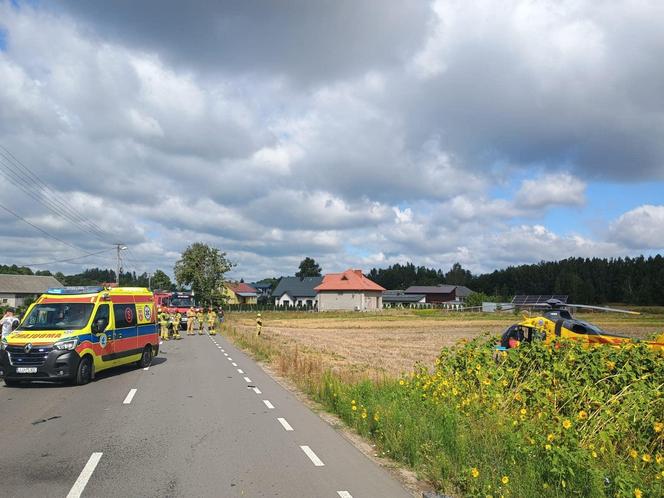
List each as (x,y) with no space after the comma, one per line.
(175,302)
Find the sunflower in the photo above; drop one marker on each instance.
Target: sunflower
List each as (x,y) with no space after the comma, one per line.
(505,480)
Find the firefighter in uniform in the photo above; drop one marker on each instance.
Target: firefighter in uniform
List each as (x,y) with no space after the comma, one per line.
(259,324)
(176,326)
(163,324)
(171,322)
(200,316)
(191,314)
(211,320)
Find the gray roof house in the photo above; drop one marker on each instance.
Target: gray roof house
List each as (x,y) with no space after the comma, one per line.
(398,298)
(296,291)
(436,294)
(14,289)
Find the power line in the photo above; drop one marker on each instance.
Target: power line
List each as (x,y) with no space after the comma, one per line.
(33,186)
(38,228)
(66,260)
(57,196)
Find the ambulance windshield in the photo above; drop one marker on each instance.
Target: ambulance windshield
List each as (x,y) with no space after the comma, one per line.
(58,316)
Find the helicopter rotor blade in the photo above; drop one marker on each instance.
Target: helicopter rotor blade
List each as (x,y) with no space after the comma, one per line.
(602,308)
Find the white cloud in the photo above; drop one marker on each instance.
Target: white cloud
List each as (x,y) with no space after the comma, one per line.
(640,228)
(559,189)
(373,143)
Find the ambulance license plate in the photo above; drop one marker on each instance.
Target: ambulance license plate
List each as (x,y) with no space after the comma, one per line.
(26,370)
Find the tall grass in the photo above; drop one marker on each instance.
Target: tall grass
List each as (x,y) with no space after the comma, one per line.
(540,421)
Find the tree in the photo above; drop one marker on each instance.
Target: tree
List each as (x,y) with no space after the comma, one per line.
(161,281)
(308,268)
(202,267)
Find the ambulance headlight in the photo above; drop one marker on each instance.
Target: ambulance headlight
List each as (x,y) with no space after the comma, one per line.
(66,345)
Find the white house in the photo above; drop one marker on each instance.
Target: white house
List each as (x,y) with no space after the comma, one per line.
(349,290)
(297,291)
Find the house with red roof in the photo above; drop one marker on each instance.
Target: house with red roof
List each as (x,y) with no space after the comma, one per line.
(240,293)
(349,290)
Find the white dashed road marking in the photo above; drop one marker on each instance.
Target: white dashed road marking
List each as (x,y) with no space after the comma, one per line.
(240,371)
(129,397)
(85,475)
(312,456)
(225,354)
(285,424)
(230,359)
(234,364)
(268,404)
(257,391)
(247,380)
(344,494)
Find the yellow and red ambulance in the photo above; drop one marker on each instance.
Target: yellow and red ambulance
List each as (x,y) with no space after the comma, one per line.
(70,333)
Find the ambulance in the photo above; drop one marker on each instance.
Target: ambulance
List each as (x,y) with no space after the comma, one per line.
(71,333)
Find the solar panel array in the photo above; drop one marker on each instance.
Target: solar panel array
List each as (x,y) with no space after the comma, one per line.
(530,299)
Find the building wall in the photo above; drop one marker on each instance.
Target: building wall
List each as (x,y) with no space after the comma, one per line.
(247,299)
(350,300)
(14,300)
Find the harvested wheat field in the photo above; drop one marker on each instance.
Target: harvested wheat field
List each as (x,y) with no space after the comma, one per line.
(392,342)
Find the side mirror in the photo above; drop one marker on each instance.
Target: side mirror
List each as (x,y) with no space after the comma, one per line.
(15,324)
(99,326)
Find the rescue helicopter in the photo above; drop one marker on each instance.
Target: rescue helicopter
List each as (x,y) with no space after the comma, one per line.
(556,322)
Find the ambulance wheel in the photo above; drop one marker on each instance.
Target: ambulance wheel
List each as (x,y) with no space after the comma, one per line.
(146,357)
(84,372)
(12,382)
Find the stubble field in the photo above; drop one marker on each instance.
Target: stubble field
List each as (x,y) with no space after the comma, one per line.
(392,342)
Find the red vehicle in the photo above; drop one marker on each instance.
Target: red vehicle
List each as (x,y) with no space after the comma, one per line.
(175,302)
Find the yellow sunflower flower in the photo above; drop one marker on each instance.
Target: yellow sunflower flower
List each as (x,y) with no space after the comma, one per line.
(567,424)
(583,415)
(505,480)
(475,472)
(646,458)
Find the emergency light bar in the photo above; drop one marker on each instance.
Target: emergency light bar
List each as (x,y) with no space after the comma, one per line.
(75,290)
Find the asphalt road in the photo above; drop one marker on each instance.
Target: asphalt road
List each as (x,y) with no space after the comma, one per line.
(203,420)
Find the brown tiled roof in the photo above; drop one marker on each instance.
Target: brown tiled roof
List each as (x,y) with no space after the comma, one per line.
(350,280)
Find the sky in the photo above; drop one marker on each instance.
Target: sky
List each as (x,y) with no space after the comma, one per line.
(361,133)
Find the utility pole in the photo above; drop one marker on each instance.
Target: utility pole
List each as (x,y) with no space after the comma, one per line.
(118,248)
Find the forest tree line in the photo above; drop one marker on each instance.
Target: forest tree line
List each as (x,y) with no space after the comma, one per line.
(637,280)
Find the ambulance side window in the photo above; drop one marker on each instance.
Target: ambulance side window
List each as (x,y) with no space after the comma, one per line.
(125,315)
(103,313)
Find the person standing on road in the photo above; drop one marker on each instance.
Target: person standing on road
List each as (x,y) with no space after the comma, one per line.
(176,326)
(211,320)
(200,316)
(191,315)
(163,324)
(259,324)
(8,322)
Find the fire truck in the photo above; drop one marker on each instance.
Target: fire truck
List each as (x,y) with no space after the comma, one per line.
(175,302)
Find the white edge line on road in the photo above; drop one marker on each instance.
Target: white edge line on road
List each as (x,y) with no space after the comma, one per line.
(285,424)
(85,475)
(240,371)
(268,404)
(344,494)
(247,380)
(257,391)
(312,456)
(129,397)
